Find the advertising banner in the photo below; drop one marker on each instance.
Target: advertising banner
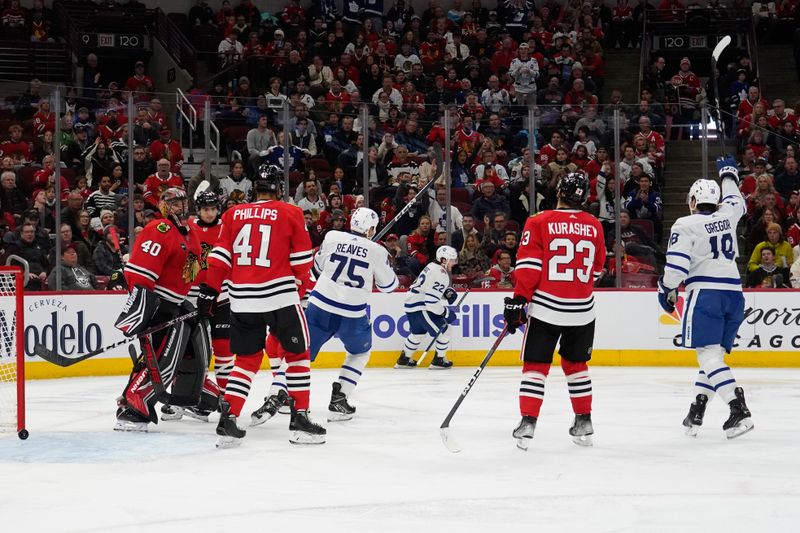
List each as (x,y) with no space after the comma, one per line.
(631,330)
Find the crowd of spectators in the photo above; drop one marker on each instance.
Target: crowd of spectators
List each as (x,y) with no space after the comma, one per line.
(484,65)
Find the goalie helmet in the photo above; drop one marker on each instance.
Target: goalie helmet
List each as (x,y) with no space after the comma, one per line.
(363,220)
(268,180)
(703,192)
(170,198)
(446,252)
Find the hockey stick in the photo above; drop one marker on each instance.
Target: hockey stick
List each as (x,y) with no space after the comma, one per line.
(721,46)
(444,430)
(438,155)
(433,340)
(51,356)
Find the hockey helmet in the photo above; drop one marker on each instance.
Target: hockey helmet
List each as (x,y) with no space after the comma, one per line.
(170,198)
(447,252)
(206,199)
(573,188)
(268,180)
(703,192)
(362,220)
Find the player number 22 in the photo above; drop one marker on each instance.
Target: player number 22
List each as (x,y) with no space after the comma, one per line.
(243,248)
(569,249)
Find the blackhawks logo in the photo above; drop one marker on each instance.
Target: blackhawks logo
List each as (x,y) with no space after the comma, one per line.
(190,268)
(163,227)
(205,250)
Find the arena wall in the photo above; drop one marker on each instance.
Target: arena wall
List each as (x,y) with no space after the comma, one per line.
(631,331)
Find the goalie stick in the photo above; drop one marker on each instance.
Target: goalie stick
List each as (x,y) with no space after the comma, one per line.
(51,356)
(437,154)
(444,430)
(715,54)
(433,340)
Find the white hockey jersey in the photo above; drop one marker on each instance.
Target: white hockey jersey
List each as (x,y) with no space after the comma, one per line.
(702,248)
(346,265)
(427,291)
(524,73)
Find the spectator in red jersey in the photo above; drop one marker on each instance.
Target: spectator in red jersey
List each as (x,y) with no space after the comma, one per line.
(547,154)
(167,148)
(140,82)
(764,196)
(420,242)
(502,273)
(779,115)
(793,233)
(622,25)
(14,21)
(756,143)
(46,176)
(577,99)
(159,182)
(44,119)
(759,167)
(15,147)
(746,106)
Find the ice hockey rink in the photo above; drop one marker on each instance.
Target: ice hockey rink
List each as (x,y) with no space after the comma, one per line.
(387,470)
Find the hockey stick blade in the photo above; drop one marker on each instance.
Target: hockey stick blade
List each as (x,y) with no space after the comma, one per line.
(721,45)
(51,356)
(449,440)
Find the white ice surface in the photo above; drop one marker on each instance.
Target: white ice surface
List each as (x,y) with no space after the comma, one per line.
(387,470)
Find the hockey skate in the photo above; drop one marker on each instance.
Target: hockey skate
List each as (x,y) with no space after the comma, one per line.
(130,420)
(339,410)
(694,419)
(582,430)
(174,412)
(405,362)
(272,405)
(440,362)
(739,422)
(230,434)
(303,430)
(524,432)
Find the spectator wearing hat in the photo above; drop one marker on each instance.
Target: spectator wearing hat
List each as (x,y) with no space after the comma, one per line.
(84,255)
(84,120)
(73,276)
(73,153)
(165,147)
(17,148)
(784,257)
(107,255)
(338,222)
(645,203)
(140,82)
(230,50)
(524,70)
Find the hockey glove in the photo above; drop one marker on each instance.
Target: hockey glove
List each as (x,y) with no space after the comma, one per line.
(450,295)
(450,315)
(514,312)
(726,167)
(667,297)
(205,301)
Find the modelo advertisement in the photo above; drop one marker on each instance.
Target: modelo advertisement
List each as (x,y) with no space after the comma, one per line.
(74,324)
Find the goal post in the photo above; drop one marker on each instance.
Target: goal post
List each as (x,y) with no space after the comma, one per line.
(12,352)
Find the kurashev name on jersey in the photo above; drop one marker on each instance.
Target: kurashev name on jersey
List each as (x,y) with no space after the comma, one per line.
(571,228)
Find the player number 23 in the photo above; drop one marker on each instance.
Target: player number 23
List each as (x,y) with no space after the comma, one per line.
(567,250)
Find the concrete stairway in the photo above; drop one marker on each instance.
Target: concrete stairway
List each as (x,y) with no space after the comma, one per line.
(622,72)
(777,73)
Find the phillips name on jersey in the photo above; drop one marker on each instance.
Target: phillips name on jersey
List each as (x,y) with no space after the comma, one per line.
(561,254)
(262,250)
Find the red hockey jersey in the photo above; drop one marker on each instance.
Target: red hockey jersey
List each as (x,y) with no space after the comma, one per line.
(164,260)
(263,248)
(560,256)
(208,236)
(154,186)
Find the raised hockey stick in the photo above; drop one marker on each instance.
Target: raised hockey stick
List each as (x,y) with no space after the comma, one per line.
(433,340)
(444,430)
(437,153)
(51,356)
(721,46)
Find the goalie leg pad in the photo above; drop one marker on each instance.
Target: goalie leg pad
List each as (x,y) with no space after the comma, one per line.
(192,368)
(139,311)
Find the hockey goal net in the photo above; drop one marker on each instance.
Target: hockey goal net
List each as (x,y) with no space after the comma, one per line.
(12,353)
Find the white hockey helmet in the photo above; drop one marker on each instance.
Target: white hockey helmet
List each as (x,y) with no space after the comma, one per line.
(703,192)
(363,220)
(446,252)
